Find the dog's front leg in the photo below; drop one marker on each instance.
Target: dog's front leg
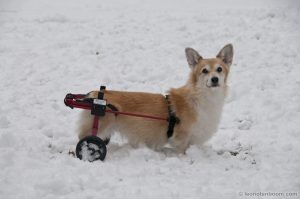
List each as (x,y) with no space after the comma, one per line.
(180,142)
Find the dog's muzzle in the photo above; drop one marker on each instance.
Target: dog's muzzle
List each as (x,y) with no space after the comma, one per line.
(214,82)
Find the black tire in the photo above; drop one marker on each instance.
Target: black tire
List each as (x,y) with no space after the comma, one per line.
(91,148)
(106,141)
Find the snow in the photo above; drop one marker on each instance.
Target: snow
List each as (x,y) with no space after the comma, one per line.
(51,48)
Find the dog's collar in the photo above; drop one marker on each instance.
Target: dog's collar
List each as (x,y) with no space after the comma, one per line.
(172,119)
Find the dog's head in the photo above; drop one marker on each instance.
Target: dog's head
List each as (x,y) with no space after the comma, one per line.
(209,73)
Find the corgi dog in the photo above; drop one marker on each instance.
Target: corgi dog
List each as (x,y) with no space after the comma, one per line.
(197,104)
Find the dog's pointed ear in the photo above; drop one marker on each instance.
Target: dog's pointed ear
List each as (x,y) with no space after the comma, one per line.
(192,57)
(226,54)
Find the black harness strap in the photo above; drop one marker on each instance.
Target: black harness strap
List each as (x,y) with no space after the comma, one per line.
(172,118)
(113,108)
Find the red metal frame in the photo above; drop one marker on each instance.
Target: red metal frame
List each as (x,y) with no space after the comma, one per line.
(77,101)
(95,125)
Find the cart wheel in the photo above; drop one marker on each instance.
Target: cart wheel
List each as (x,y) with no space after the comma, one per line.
(91,148)
(106,141)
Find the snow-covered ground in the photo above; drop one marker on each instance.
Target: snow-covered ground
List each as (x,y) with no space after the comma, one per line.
(50,48)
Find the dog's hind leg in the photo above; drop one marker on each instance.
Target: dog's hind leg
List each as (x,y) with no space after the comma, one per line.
(85,124)
(105,128)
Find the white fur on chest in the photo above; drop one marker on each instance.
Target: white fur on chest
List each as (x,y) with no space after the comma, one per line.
(209,109)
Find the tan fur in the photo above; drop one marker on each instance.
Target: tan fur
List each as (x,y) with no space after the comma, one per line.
(199,109)
(148,131)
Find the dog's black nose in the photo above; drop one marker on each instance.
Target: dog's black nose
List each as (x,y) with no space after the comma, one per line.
(214,80)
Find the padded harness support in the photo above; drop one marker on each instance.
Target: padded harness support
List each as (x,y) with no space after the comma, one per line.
(113,108)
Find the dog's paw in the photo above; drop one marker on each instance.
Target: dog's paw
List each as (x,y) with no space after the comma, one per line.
(168,152)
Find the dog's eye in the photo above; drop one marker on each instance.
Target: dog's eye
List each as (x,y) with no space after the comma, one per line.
(219,69)
(205,71)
